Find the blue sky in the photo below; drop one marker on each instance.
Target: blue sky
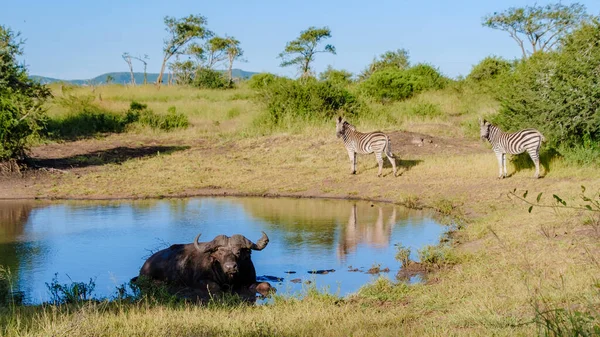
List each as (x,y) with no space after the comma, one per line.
(80,39)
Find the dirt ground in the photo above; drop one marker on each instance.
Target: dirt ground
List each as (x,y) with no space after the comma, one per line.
(84,157)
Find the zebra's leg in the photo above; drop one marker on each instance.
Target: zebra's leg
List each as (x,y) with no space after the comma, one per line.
(504,164)
(380,162)
(499,157)
(392,160)
(536,160)
(352,156)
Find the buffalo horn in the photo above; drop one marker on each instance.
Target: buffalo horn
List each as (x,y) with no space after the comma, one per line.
(261,243)
(196,244)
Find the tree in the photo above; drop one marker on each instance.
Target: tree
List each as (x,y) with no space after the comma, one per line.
(143,60)
(541,26)
(21,99)
(234,52)
(127,59)
(181,33)
(109,79)
(558,93)
(301,51)
(397,59)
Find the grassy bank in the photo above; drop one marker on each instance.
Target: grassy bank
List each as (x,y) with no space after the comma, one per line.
(510,271)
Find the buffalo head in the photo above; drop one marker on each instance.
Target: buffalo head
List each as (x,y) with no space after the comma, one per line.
(231,255)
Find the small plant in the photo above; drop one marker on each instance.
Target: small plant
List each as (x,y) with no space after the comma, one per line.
(233,112)
(144,287)
(383,289)
(436,256)
(8,296)
(403,255)
(412,201)
(75,292)
(565,321)
(375,269)
(591,202)
(444,206)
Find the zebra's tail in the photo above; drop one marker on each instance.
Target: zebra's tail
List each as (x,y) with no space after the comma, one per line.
(542,136)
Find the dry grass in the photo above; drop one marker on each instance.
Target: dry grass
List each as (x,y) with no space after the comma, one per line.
(508,258)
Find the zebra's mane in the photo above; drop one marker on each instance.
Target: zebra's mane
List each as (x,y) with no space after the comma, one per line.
(349,126)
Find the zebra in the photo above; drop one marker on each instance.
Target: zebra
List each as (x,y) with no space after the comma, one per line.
(528,140)
(364,143)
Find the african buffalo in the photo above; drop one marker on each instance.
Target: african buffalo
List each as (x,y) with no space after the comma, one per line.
(204,268)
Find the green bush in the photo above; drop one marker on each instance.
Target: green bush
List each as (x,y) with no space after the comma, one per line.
(75,292)
(393,84)
(427,77)
(437,256)
(140,113)
(336,76)
(403,255)
(83,119)
(8,296)
(261,80)
(21,99)
(389,84)
(490,68)
(558,93)
(211,79)
(289,100)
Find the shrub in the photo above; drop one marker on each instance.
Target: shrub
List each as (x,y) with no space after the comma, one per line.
(336,76)
(75,292)
(490,68)
(211,79)
(389,84)
(83,119)
(403,255)
(311,100)
(140,113)
(261,80)
(21,100)
(436,256)
(427,77)
(394,59)
(8,296)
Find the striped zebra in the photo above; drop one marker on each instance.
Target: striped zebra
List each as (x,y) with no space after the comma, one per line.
(528,140)
(364,143)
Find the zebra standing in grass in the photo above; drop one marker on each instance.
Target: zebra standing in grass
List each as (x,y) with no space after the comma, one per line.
(364,143)
(528,140)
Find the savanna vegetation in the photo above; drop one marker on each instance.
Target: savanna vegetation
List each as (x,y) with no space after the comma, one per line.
(522,256)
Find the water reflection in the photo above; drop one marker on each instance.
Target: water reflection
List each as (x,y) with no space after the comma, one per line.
(375,234)
(13,216)
(109,240)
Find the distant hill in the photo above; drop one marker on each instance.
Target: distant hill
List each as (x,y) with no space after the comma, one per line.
(125,77)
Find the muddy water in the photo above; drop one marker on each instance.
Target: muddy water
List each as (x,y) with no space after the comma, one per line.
(109,241)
